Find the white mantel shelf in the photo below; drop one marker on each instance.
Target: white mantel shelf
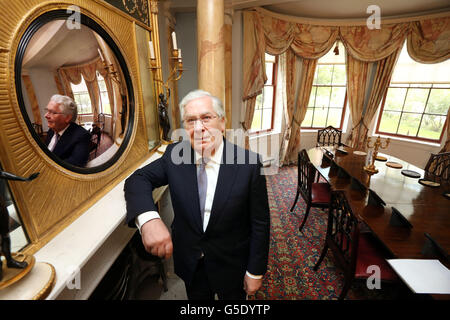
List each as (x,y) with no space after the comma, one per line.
(90,245)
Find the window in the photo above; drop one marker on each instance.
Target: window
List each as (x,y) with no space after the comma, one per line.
(265,102)
(81,97)
(328,94)
(105,106)
(83,100)
(416,102)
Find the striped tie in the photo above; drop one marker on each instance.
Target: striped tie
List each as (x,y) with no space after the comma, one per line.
(202,181)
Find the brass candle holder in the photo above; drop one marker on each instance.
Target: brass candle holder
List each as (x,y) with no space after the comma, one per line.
(371,169)
(175,75)
(109,68)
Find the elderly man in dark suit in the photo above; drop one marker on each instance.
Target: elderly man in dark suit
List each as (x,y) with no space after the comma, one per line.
(65,138)
(220,232)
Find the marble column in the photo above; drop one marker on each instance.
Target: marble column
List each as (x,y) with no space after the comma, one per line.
(228,64)
(211,47)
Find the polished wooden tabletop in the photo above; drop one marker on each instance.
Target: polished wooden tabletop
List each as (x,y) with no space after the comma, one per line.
(421,229)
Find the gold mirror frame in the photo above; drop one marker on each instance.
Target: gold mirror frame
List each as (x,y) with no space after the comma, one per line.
(58,196)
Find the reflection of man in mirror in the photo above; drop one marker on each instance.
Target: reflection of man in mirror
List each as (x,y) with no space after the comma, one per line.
(4,224)
(68,140)
(163,117)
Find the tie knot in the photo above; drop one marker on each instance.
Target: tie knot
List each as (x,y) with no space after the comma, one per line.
(204,161)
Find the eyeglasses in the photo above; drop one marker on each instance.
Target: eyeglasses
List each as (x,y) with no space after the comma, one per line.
(51,112)
(204,119)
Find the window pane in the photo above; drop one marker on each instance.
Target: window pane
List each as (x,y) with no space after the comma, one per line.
(323,97)
(409,124)
(312,97)
(320,117)
(105,103)
(394,99)
(339,75)
(307,121)
(324,73)
(431,126)
(337,97)
(268,98)
(389,121)
(334,117)
(439,101)
(256,123)
(101,84)
(267,119)
(259,101)
(416,99)
(269,73)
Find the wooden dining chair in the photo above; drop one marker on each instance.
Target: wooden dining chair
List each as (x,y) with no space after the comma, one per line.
(438,167)
(354,251)
(329,136)
(314,194)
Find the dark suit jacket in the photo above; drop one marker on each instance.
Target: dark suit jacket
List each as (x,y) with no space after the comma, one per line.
(237,236)
(73,145)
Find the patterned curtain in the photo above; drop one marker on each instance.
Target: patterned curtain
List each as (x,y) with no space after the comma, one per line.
(254,65)
(357,74)
(302,94)
(371,45)
(364,46)
(429,40)
(375,50)
(262,34)
(88,72)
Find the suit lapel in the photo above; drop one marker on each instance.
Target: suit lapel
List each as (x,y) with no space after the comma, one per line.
(225,181)
(64,140)
(188,175)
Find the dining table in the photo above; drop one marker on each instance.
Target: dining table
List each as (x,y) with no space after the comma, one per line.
(408,214)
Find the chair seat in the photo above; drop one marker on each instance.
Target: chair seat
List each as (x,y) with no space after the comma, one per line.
(369,255)
(320,193)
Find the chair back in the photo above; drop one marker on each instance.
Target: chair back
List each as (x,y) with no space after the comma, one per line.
(306,173)
(438,167)
(329,136)
(101,120)
(342,232)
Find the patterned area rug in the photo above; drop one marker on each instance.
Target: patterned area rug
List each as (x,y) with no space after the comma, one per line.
(293,254)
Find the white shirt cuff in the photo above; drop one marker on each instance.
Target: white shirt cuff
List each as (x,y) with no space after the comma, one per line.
(145,217)
(253,276)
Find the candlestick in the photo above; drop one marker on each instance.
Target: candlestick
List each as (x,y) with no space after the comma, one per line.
(174,40)
(371,169)
(101,55)
(152,50)
(179,54)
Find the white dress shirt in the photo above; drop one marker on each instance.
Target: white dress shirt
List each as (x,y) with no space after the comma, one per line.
(212,174)
(54,140)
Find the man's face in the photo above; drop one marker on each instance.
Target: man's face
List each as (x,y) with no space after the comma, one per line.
(205,136)
(55,118)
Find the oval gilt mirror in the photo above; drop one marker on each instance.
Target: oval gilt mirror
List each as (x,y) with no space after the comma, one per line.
(58,61)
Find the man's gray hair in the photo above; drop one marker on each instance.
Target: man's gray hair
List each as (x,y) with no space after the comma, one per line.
(67,105)
(196,94)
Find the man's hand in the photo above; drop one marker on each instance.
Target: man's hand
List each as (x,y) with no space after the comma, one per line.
(156,238)
(251,285)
